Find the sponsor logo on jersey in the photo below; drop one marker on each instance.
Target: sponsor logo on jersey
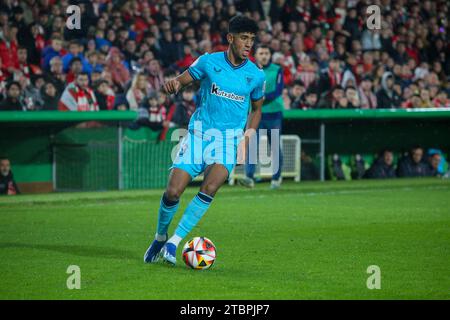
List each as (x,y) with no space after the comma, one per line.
(215,89)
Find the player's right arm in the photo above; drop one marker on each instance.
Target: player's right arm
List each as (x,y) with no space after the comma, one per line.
(197,71)
(174,85)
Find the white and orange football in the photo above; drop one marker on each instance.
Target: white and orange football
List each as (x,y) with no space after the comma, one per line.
(199,253)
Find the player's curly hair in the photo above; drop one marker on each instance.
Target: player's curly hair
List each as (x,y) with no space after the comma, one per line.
(240,23)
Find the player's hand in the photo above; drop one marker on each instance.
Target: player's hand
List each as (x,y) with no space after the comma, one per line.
(243,147)
(172,86)
(241,152)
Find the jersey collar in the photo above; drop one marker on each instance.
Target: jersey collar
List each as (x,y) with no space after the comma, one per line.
(232,65)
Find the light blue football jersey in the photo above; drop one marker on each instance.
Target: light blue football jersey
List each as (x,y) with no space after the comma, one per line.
(225,91)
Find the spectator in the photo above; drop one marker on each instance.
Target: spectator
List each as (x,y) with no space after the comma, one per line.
(7,184)
(412,165)
(368,98)
(138,90)
(185,108)
(335,99)
(78,96)
(93,65)
(152,114)
(104,95)
(383,167)
(56,74)
(55,49)
(50,97)
(387,98)
(331,76)
(75,68)
(75,51)
(30,94)
(25,68)
(12,101)
(8,51)
(296,94)
(434,161)
(156,76)
(310,99)
(116,66)
(352,97)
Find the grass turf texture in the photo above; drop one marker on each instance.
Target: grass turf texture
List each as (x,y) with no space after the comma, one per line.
(304,241)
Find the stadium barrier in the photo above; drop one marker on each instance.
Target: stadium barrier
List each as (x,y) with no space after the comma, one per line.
(49,151)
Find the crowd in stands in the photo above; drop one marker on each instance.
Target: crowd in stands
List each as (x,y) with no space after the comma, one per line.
(125,50)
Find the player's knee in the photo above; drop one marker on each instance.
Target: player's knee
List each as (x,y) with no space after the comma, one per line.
(209,188)
(173,193)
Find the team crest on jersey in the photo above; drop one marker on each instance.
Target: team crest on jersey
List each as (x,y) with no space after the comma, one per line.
(249,80)
(215,89)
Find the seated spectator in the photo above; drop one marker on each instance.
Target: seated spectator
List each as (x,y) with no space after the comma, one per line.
(12,101)
(155,75)
(7,184)
(331,76)
(367,97)
(75,51)
(152,114)
(56,74)
(8,51)
(138,90)
(412,165)
(93,65)
(335,99)
(383,167)
(441,100)
(78,96)
(50,97)
(310,99)
(24,67)
(185,108)
(187,60)
(55,49)
(75,67)
(115,65)
(352,97)
(434,161)
(104,95)
(296,93)
(30,94)
(387,98)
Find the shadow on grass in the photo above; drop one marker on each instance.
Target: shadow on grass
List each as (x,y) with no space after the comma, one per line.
(77,250)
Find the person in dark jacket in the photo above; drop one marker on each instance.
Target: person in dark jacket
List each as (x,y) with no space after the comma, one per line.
(50,97)
(7,184)
(387,97)
(12,101)
(412,165)
(185,108)
(383,167)
(434,160)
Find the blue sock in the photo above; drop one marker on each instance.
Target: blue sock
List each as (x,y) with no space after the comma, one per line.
(167,210)
(194,212)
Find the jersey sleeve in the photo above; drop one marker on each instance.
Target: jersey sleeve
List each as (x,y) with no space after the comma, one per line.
(197,70)
(258,92)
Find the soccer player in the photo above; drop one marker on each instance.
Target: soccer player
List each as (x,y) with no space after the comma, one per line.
(272,116)
(229,84)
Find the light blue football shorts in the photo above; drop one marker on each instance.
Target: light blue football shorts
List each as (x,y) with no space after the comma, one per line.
(198,151)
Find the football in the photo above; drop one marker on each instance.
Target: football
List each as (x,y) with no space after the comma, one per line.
(199,253)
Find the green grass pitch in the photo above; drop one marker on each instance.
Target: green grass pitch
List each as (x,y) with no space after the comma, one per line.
(304,241)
